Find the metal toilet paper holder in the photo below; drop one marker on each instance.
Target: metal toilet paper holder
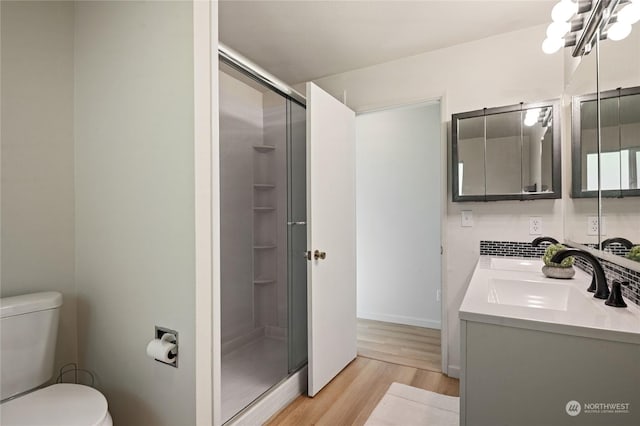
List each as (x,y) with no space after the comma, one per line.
(160,333)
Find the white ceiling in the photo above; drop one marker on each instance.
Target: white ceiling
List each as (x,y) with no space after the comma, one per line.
(304,40)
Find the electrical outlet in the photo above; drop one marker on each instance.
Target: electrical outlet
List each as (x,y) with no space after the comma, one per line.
(535,226)
(467,218)
(592,225)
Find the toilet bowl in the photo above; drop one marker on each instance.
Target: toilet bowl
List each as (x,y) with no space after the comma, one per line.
(28,331)
(61,404)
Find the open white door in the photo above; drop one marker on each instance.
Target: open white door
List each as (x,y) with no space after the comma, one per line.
(331,211)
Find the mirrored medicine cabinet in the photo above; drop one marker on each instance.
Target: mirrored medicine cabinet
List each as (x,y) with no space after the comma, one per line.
(507,153)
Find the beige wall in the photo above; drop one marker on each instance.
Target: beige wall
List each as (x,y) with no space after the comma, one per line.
(37,158)
(496,71)
(134,181)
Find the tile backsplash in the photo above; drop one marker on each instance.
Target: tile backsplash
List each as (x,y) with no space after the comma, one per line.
(613,271)
(511,249)
(617,249)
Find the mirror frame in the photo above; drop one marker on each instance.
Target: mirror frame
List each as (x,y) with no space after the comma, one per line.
(576,142)
(556,174)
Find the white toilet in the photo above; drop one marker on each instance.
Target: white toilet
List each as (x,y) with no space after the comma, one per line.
(28,331)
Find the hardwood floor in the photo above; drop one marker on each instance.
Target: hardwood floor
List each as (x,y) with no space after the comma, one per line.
(352,395)
(400,344)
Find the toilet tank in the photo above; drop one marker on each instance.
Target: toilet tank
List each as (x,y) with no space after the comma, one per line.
(28,332)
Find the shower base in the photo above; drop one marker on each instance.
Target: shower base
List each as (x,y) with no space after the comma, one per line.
(251,370)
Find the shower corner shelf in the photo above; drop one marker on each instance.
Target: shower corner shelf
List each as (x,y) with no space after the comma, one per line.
(264,148)
(264,209)
(263,282)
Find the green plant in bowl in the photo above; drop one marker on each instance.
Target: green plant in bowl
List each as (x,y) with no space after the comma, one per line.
(634,253)
(553,249)
(563,270)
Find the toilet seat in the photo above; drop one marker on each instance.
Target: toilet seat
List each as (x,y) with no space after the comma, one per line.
(60,404)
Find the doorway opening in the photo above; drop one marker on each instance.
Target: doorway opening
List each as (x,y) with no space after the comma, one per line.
(398,222)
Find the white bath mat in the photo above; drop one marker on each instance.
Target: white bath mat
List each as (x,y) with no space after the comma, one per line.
(408,406)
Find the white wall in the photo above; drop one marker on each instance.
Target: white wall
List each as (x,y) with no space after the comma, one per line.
(37,158)
(398,224)
(501,70)
(134,180)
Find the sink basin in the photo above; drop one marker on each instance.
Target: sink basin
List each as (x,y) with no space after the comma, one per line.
(534,294)
(510,264)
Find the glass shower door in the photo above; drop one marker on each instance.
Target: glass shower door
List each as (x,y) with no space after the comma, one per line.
(262,238)
(253,240)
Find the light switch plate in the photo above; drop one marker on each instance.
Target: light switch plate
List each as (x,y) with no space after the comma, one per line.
(535,226)
(467,218)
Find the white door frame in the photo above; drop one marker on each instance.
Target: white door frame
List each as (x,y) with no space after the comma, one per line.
(207,213)
(444,329)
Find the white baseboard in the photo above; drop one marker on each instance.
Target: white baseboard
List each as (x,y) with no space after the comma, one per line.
(273,401)
(399,319)
(453,371)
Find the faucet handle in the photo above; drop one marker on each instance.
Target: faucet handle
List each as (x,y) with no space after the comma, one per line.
(615,298)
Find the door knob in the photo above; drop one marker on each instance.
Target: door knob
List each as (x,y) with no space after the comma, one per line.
(319,255)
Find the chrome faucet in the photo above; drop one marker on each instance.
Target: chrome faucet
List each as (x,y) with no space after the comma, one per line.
(539,240)
(602,289)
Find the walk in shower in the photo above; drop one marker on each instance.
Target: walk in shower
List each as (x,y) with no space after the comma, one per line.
(262,236)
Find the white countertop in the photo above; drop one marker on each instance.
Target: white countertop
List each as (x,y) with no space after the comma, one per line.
(584,316)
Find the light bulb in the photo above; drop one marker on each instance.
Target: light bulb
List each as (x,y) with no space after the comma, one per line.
(558,29)
(531,116)
(563,11)
(530,121)
(630,14)
(552,45)
(618,31)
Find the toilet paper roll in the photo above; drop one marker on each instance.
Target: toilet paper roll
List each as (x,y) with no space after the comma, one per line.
(161,350)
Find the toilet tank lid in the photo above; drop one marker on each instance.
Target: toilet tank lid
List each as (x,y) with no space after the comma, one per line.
(17,305)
